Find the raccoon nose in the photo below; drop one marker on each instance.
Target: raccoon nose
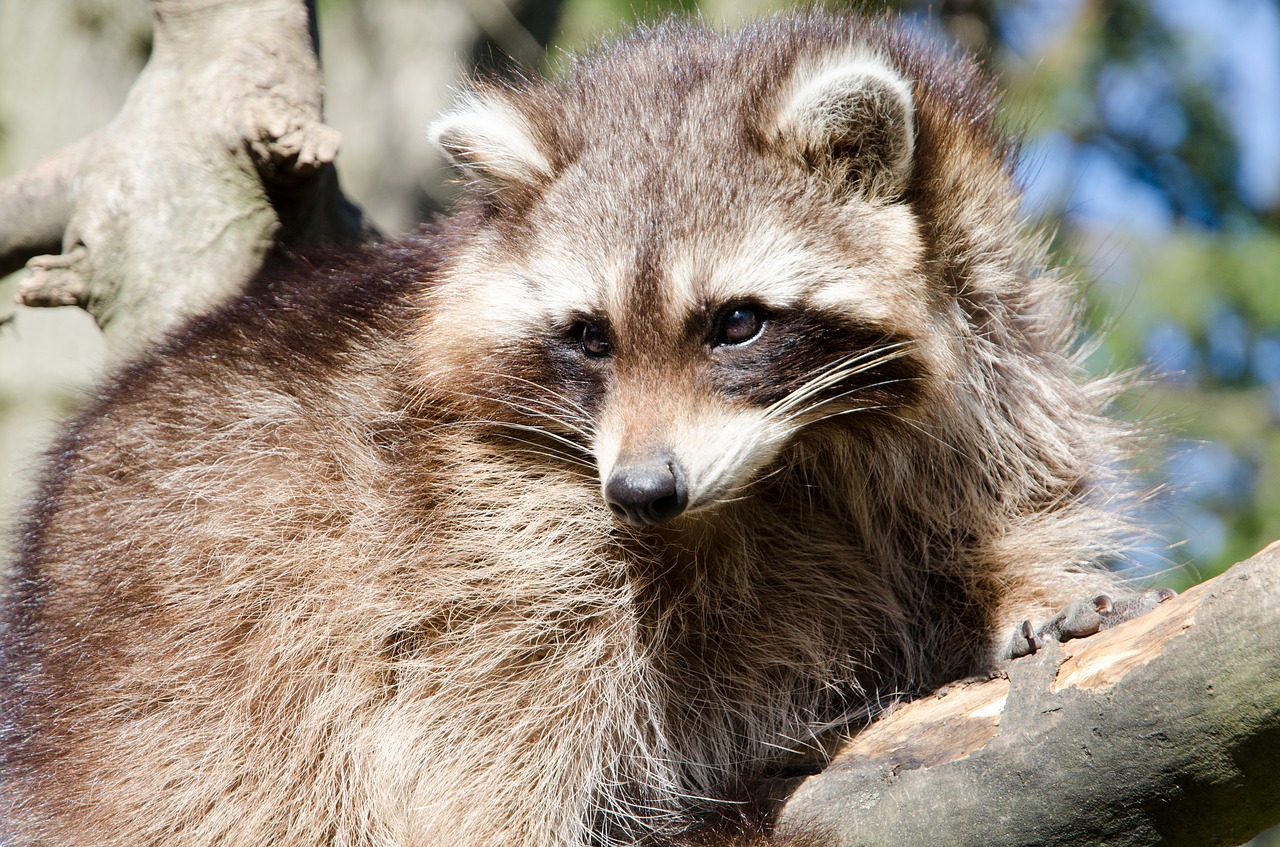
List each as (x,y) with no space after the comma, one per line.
(648,493)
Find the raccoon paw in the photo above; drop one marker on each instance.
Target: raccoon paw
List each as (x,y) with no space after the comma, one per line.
(1077,620)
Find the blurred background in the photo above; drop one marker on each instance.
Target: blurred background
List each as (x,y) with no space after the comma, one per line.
(1152,139)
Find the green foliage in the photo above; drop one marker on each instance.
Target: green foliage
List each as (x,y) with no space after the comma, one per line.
(1221,294)
(585,21)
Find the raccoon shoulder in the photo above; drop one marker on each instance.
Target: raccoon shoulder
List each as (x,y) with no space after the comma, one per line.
(304,315)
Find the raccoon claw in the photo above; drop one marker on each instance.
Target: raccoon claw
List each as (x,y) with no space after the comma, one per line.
(1077,620)
(1023,642)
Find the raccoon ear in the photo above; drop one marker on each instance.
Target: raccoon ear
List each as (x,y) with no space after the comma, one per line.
(491,143)
(854,121)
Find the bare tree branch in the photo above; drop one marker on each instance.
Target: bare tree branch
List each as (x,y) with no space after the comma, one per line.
(1164,730)
(219,152)
(36,204)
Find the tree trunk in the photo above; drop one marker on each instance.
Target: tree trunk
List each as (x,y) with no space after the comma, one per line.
(218,153)
(1164,730)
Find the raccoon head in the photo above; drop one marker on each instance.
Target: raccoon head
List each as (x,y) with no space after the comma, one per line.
(680,275)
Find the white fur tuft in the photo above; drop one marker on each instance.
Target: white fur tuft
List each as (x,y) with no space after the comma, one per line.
(855,112)
(490,142)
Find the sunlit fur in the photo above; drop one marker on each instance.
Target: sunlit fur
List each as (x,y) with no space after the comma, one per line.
(333,567)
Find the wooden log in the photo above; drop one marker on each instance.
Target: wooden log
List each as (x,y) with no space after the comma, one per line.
(1163,730)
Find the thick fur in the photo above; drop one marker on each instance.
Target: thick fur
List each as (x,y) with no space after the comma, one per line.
(334,566)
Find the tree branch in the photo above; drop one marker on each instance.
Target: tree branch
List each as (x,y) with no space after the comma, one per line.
(35,205)
(218,153)
(1164,730)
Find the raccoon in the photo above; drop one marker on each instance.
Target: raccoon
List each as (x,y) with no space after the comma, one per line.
(734,401)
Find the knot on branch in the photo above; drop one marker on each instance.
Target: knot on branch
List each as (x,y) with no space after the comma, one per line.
(286,143)
(57,280)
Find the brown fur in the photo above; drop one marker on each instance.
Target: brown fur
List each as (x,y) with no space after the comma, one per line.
(333,566)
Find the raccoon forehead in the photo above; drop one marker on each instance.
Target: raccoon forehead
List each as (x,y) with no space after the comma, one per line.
(772,266)
(554,284)
(781,267)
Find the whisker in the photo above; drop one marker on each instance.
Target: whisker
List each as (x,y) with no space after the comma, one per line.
(835,372)
(900,419)
(533,411)
(569,404)
(588,473)
(579,449)
(798,413)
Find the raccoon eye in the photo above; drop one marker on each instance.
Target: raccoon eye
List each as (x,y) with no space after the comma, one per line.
(593,341)
(740,325)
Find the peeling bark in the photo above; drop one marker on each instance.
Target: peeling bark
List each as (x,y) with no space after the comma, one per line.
(1163,730)
(218,153)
